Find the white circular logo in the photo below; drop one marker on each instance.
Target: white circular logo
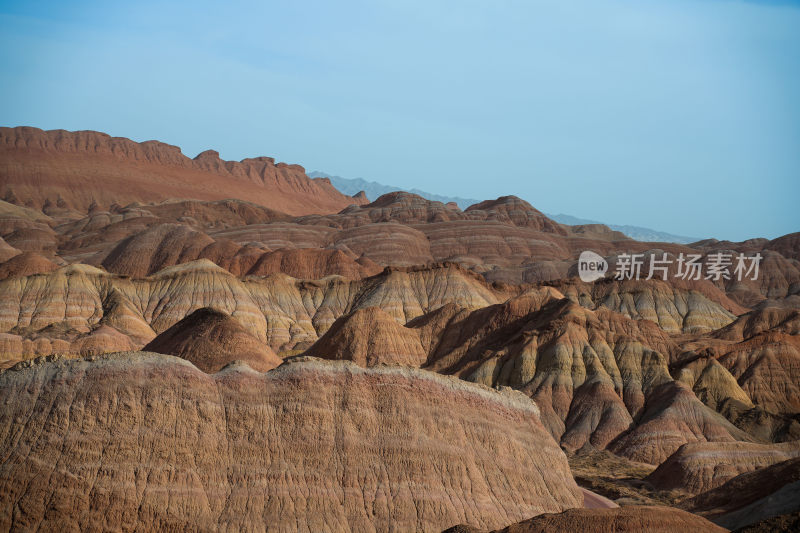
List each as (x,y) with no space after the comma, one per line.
(591,266)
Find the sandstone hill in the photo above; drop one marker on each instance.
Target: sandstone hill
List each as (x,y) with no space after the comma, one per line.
(142,441)
(751,497)
(601,378)
(702,466)
(57,170)
(211,339)
(682,386)
(369,336)
(255,218)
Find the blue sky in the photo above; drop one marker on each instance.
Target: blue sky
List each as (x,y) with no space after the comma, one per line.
(682,116)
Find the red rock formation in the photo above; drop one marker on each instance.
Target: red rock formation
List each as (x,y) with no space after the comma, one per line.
(518,212)
(26,264)
(687,308)
(281,311)
(703,466)
(210,339)
(104,339)
(44,167)
(672,417)
(370,337)
(769,318)
(638,367)
(788,246)
(761,352)
(313,264)
(146,441)
(156,248)
(752,497)
(591,373)
(41,240)
(165,245)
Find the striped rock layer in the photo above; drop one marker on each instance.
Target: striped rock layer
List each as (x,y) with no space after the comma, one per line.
(145,441)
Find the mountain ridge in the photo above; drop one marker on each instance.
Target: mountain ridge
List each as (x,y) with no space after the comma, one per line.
(58,171)
(373,190)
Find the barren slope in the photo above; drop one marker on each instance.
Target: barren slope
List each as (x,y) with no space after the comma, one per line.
(143,441)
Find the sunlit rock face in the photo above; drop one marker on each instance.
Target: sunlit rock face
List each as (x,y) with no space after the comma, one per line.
(45,167)
(141,440)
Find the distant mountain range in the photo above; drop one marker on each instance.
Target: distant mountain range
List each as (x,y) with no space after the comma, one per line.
(634,232)
(374,190)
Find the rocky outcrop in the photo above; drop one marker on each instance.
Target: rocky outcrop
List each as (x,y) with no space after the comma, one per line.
(26,264)
(752,497)
(156,248)
(165,245)
(516,211)
(43,168)
(369,337)
(672,417)
(761,352)
(702,466)
(314,264)
(774,318)
(593,373)
(146,441)
(281,311)
(767,368)
(41,239)
(104,339)
(211,339)
(596,375)
(698,308)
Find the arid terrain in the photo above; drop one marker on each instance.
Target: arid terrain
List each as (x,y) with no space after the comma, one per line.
(199,344)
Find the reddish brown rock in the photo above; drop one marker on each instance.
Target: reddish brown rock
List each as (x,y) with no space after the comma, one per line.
(748,371)
(591,373)
(38,240)
(156,248)
(313,264)
(518,212)
(676,308)
(210,339)
(147,441)
(104,339)
(672,417)
(370,337)
(597,232)
(216,214)
(26,264)
(702,466)
(283,312)
(43,167)
(767,367)
(788,245)
(752,497)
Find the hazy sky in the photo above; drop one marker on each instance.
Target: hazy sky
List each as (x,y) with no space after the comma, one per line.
(683,116)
